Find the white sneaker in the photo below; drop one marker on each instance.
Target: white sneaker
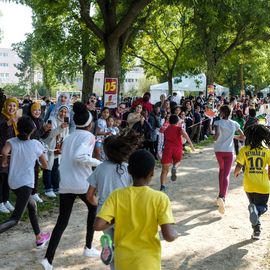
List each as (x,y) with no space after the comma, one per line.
(3,208)
(221,206)
(50,194)
(37,198)
(91,252)
(9,206)
(46,265)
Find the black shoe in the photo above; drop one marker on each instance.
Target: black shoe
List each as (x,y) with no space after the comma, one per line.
(256,235)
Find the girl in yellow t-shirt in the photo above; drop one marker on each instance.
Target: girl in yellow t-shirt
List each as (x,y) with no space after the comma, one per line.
(255,157)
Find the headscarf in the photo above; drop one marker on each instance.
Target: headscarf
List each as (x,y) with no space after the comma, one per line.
(35,106)
(10,116)
(59,104)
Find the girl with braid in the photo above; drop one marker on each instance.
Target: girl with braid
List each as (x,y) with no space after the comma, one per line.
(112,173)
(255,157)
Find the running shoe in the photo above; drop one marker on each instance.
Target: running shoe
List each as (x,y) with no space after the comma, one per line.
(107,249)
(256,235)
(9,206)
(44,238)
(3,209)
(46,265)
(221,205)
(91,252)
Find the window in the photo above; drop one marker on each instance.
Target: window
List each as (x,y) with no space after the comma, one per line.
(7,75)
(3,64)
(2,75)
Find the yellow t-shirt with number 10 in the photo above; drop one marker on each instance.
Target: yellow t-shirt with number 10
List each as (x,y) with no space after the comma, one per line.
(256,162)
(137,211)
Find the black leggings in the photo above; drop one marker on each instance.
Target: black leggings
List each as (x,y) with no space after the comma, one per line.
(23,199)
(65,208)
(4,187)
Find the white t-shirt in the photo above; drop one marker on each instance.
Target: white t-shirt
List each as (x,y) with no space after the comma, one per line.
(22,162)
(226,129)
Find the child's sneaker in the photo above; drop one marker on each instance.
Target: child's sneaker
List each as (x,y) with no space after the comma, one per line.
(91,252)
(256,235)
(107,249)
(163,189)
(46,265)
(253,214)
(36,198)
(43,239)
(9,206)
(173,173)
(50,194)
(221,205)
(3,209)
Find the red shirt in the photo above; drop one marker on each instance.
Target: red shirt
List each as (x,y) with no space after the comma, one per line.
(146,105)
(172,136)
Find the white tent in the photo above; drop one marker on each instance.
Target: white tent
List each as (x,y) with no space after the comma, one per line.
(265,91)
(185,83)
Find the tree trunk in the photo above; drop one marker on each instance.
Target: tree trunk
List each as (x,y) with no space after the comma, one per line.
(210,75)
(170,83)
(112,63)
(241,79)
(88,81)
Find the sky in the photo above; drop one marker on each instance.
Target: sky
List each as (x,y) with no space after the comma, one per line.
(15,22)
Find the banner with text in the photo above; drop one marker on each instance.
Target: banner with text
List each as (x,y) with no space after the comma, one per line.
(111,92)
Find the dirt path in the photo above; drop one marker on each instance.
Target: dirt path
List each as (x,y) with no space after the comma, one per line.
(207,242)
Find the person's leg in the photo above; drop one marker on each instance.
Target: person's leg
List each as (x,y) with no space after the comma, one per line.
(163,175)
(5,188)
(47,180)
(66,202)
(225,163)
(110,232)
(228,160)
(55,175)
(32,212)
(90,220)
(22,197)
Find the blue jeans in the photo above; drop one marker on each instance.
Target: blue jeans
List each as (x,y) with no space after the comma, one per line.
(51,178)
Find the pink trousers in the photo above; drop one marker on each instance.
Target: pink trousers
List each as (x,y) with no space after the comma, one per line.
(225,160)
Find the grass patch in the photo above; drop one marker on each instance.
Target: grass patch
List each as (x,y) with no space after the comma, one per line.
(204,143)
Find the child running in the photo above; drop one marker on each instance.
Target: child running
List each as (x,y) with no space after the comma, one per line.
(225,129)
(75,167)
(136,212)
(23,155)
(173,150)
(113,172)
(255,157)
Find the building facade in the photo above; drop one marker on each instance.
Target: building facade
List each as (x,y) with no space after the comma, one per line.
(8,60)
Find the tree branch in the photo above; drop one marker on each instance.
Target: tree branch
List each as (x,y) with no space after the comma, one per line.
(135,8)
(85,16)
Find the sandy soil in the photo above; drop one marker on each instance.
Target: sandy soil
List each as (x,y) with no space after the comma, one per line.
(208,241)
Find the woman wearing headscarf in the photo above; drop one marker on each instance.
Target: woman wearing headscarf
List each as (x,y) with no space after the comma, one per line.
(63,99)
(59,131)
(42,131)
(8,129)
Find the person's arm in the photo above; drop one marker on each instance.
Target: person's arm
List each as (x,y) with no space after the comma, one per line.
(5,152)
(101,224)
(241,135)
(43,162)
(91,197)
(185,135)
(237,170)
(168,232)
